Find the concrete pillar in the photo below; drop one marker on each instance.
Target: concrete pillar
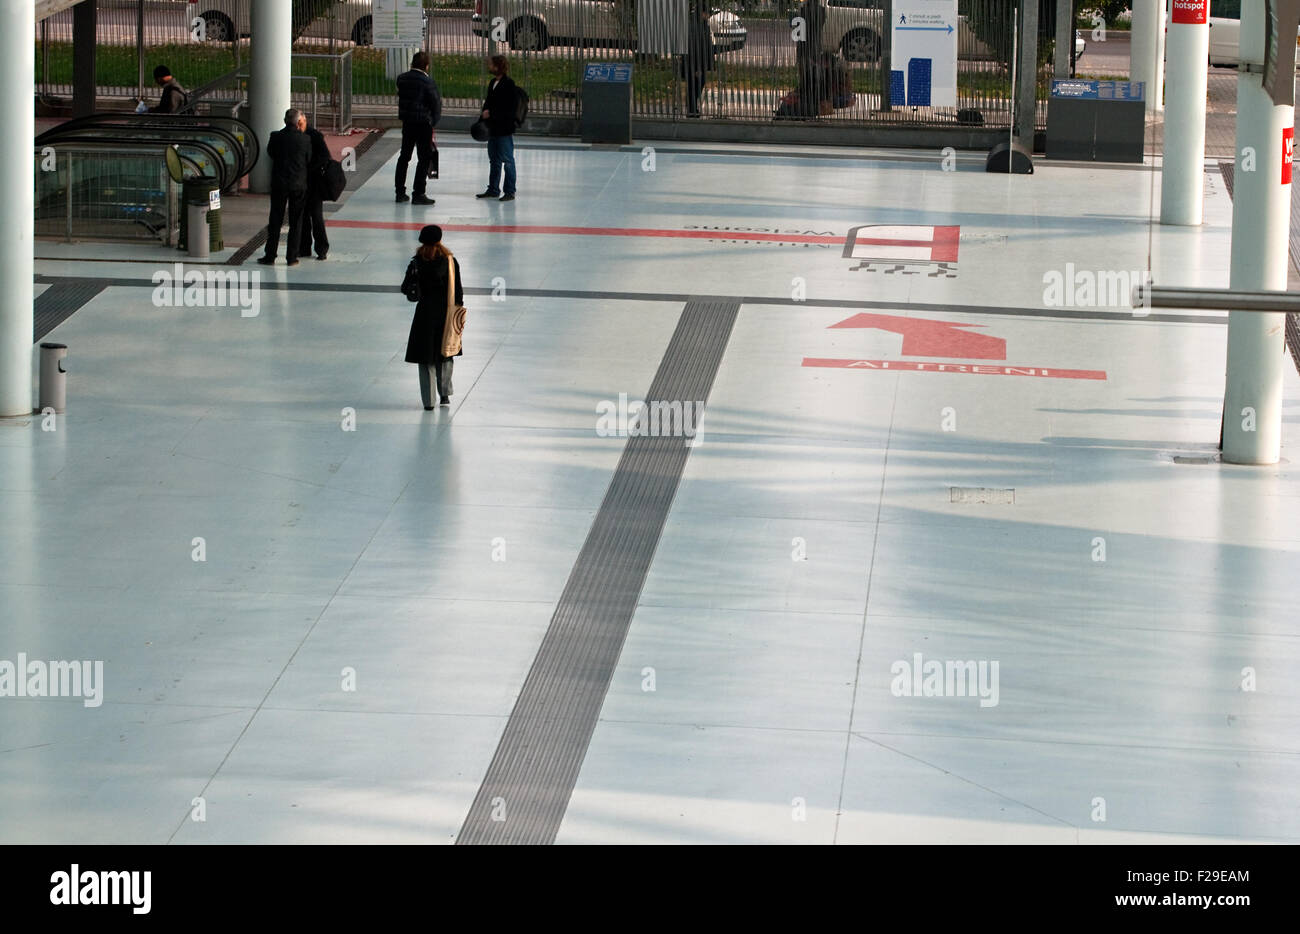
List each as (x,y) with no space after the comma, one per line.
(1182,177)
(1064,38)
(17,172)
(1261,220)
(1146,50)
(886,53)
(83,58)
(268,91)
(1027,79)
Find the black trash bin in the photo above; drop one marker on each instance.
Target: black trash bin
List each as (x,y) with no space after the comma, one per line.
(203,191)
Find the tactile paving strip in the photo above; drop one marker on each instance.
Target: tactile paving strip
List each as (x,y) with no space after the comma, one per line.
(532,775)
(59,302)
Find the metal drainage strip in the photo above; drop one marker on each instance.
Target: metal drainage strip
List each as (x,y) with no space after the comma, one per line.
(533,773)
(59,302)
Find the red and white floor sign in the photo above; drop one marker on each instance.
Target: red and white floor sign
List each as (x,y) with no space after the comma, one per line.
(983,369)
(883,243)
(924,337)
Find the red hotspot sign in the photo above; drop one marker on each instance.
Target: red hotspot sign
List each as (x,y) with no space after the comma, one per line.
(1191,12)
(1288,154)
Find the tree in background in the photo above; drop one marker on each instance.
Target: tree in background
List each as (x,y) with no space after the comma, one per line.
(991,21)
(1110,10)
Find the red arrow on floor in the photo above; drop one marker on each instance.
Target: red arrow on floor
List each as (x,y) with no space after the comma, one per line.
(926,338)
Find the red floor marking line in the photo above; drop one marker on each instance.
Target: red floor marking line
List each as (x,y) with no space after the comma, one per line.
(604,232)
(977,369)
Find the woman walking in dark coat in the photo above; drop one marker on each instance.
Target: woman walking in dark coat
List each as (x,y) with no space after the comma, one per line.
(424,346)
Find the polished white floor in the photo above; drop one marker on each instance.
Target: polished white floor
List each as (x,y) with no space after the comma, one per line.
(424,552)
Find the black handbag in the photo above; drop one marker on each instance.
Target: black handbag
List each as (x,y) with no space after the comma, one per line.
(411,282)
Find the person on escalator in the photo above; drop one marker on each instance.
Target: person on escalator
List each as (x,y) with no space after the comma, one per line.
(174,98)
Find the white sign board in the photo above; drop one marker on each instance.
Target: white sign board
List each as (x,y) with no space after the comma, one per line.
(398,24)
(924,53)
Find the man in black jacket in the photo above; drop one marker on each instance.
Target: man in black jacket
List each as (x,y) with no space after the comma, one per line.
(313,211)
(419,106)
(499,114)
(290,152)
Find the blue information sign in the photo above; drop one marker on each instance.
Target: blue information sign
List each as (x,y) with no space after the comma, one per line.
(1099,90)
(611,72)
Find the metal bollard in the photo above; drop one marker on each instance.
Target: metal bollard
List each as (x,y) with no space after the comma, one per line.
(54,378)
(196,230)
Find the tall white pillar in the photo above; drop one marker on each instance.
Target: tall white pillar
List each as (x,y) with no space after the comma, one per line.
(1261,218)
(1146,50)
(1182,179)
(17,185)
(268,92)
(1156,91)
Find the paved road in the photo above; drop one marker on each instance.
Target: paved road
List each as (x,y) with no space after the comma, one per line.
(1108,57)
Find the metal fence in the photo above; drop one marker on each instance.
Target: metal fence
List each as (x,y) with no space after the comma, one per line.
(758,58)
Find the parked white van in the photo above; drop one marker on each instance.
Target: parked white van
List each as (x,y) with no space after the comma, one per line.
(355,22)
(1225,32)
(533,25)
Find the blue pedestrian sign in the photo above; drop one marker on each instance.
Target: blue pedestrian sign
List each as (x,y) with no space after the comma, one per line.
(608,72)
(924,47)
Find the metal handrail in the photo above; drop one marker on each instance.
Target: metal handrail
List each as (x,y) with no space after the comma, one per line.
(1164,296)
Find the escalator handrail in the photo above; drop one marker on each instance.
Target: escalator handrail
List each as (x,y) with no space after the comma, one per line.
(208,149)
(246,151)
(232,125)
(227,174)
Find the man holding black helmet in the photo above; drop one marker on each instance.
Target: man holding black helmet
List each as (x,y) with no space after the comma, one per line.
(499,117)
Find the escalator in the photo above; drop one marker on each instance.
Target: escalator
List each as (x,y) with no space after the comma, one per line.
(116,175)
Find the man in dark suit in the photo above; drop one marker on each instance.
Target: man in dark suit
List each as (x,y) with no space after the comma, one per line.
(698,60)
(419,107)
(290,152)
(499,114)
(313,211)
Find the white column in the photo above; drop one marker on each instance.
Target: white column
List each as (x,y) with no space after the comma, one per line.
(1261,218)
(1156,90)
(1144,54)
(17,185)
(1182,179)
(268,92)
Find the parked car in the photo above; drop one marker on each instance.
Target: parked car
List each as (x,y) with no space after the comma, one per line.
(1079,44)
(1225,32)
(854,28)
(355,20)
(533,25)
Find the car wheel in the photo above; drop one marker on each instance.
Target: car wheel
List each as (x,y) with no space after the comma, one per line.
(861,45)
(217,27)
(363,33)
(527,35)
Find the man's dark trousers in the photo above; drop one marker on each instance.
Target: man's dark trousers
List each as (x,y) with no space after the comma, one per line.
(313,224)
(417,136)
(294,199)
